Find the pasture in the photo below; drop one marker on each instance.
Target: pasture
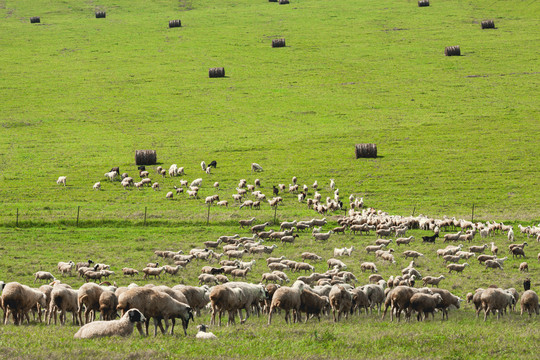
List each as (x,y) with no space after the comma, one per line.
(80,95)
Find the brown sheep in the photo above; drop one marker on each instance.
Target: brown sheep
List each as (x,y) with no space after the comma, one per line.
(64,299)
(517,252)
(88,296)
(287,298)
(303,266)
(529,303)
(523,267)
(375,278)
(313,304)
(434,281)
(399,300)
(340,300)
(448,299)
(19,299)
(107,305)
(360,300)
(197,297)
(456,267)
(310,256)
(495,299)
(129,271)
(224,298)
(424,304)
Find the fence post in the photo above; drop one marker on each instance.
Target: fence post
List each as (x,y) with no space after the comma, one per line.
(472,217)
(275,213)
(145,216)
(78,209)
(414,209)
(208,216)
(17,222)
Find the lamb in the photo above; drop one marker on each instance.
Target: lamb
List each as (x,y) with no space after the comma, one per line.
(313,304)
(287,298)
(310,256)
(196,182)
(404,241)
(369,266)
(155,304)
(129,271)
(523,267)
(122,327)
(343,251)
(456,267)
(493,264)
(433,281)
(19,299)
(412,254)
(340,300)
(43,275)
(150,271)
(61,180)
(424,304)
(111,175)
(495,299)
(529,303)
(203,334)
(170,195)
(246,222)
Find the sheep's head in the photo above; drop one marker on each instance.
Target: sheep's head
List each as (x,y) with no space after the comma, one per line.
(135,316)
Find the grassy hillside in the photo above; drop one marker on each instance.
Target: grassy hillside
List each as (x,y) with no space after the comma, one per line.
(81,94)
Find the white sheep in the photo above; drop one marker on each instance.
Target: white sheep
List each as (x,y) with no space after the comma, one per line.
(203,334)
(97,186)
(256,167)
(122,327)
(196,182)
(43,275)
(203,166)
(61,180)
(111,175)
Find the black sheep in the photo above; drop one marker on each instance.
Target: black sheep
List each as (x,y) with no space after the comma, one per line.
(213,164)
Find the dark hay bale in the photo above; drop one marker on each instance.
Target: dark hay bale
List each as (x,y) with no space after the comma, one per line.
(366,151)
(145,157)
(283,2)
(452,51)
(35,20)
(175,23)
(422,3)
(278,43)
(488,24)
(272,0)
(100,15)
(216,72)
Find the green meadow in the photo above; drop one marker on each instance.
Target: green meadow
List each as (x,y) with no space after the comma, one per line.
(79,95)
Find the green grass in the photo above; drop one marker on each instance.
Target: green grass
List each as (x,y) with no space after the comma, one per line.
(80,95)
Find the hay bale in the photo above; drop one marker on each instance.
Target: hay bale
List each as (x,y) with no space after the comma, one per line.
(35,20)
(100,15)
(278,43)
(216,72)
(366,151)
(488,24)
(283,2)
(175,23)
(422,3)
(145,157)
(452,51)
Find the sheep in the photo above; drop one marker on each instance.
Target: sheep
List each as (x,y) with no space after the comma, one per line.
(224,203)
(465,254)
(122,327)
(343,251)
(494,249)
(404,241)
(424,304)
(448,299)
(482,258)
(172,270)
(412,254)
(155,304)
(222,278)
(272,278)
(258,228)
(107,305)
(478,249)
(61,180)
(374,278)
(287,225)
(517,251)
(303,266)
(432,280)
(256,167)
(197,297)
(529,303)
(246,222)
(203,334)
(312,304)
(65,268)
(340,300)
(151,271)
(310,256)
(129,271)
(252,295)
(452,237)
(289,239)
(19,299)
(399,299)
(287,298)
(236,254)
(240,273)
(373,248)
(523,267)
(451,258)
(88,299)
(43,275)
(335,263)
(282,275)
(493,264)
(456,267)
(375,294)
(322,236)
(207,279)
(277,266)
(369,266)
(495,299)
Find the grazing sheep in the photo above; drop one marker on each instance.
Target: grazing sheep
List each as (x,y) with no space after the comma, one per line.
(495,299)
(424,304)
(456,267)
(340,300)
(343,251)
(493,264)
(313,304)
(97,186)
(287,298)
(65,268)
(529,303)
(303,266)
(432,280)
(43,275)
(266,277)
(369,266)
(61,180)
(19,299)
(310,256)
(335,263)
(478,249)
(448,299)
(122,327)
(517,251)
(88,300)
(523,267)
(129,271)
(151,271)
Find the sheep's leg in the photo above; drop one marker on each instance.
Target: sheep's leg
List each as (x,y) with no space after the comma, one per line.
(270,314)
(140,328)
(486,312)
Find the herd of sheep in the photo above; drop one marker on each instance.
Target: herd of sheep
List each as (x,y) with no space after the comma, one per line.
(334,293)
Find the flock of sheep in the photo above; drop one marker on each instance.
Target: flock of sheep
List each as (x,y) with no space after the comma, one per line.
(334,293)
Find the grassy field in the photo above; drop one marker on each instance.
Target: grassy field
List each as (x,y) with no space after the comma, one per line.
(80,95)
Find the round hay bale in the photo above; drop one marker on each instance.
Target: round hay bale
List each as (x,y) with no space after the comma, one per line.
(100,14)
(452,51)
(422,3)
(145,157)
(488,24)
(366,151)
(35,20)
(283,2)
(175,23)
(216,72)
(278,43)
